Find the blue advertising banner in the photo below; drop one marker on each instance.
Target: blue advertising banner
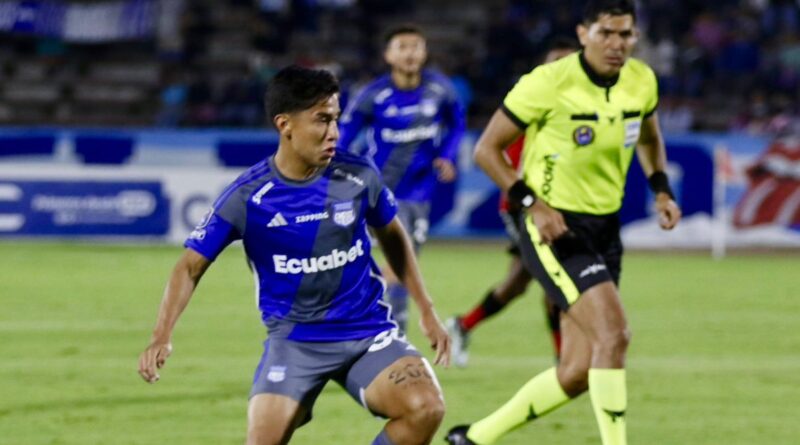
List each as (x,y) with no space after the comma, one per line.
(84,208)
(82,21)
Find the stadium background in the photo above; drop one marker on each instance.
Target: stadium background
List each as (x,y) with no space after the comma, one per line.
(121,120)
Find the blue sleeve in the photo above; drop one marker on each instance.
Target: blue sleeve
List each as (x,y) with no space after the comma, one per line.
(454,119)
(384,209)
(212,236)
(355,117)
(381,205)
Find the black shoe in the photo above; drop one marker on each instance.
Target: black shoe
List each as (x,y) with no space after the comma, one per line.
(458,436)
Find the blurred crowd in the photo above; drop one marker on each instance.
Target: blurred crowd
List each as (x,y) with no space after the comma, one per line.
(728,65)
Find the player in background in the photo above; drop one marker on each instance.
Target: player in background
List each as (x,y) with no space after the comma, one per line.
(302,215)
(583,117)
(413,124)
(517,279)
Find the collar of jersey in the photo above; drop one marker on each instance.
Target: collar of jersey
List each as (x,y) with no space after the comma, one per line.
(597,79)
(291,181)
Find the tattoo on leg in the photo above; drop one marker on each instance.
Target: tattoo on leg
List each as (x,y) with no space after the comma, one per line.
(411,374)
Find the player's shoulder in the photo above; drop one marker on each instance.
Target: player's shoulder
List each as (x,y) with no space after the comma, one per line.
(376,90)
(242,185)
(352,163)
(436,80)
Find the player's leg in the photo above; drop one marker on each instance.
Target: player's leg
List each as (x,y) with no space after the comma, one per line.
(566,270)
(414,218)
(539,396)
(553,314)
(459,327)
(600,314)
(393,381)
(408,394)
(272,418)
(513,285)
(286,383)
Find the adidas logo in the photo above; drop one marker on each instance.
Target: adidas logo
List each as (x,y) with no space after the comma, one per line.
(277,221)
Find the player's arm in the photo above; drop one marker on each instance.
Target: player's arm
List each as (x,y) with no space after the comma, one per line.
(499,134)
(652,156)
(455,120)
(399,254)
(182,282)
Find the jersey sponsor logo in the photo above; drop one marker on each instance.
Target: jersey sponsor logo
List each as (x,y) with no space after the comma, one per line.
(344,213)
(410,134)
(583,135)
(549,163)
(277,221)
(262,191)
(311,217)
(592,269)
(349,176)
(334,260)
(276,374)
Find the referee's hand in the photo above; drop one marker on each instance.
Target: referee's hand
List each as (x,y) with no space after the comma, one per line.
(549,222)
(668,211)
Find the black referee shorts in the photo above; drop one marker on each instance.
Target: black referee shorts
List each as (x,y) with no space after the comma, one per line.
(589,254)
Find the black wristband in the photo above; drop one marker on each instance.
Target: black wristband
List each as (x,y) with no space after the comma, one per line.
(521,195)
(659,183)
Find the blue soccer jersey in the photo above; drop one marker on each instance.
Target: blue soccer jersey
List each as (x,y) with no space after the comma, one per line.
(308,246)
(406,131)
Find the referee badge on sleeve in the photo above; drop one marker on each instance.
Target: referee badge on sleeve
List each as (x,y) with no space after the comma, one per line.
(583,135)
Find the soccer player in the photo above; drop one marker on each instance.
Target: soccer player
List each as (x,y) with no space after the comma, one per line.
(414,124)
(302,217)
(583,116)
(517,279)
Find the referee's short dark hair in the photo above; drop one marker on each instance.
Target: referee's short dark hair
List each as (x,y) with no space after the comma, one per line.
(595,8)
(295,88)
(406,28)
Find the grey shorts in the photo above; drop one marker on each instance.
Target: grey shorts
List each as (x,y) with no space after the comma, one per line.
(300,370)
(414,218)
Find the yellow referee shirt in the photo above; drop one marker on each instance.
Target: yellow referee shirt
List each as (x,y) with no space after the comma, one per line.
(580,130)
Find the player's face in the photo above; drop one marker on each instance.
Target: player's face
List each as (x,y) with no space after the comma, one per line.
(406,53)
(608,42)
(557,54)
(313,133)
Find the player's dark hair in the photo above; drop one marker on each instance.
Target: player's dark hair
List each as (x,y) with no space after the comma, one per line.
(595,8)
(295,88)
(406,28)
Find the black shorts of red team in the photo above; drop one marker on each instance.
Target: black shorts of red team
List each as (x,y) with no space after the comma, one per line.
(589,254)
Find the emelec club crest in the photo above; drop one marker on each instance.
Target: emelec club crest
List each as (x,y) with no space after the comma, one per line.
(343,213)
(583,135)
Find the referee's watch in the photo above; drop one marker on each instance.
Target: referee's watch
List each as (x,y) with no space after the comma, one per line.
(521,194)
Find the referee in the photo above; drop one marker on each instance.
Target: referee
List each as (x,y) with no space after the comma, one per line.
(582,117)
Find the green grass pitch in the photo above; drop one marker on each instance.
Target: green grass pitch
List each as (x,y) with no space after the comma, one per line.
(715,357)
